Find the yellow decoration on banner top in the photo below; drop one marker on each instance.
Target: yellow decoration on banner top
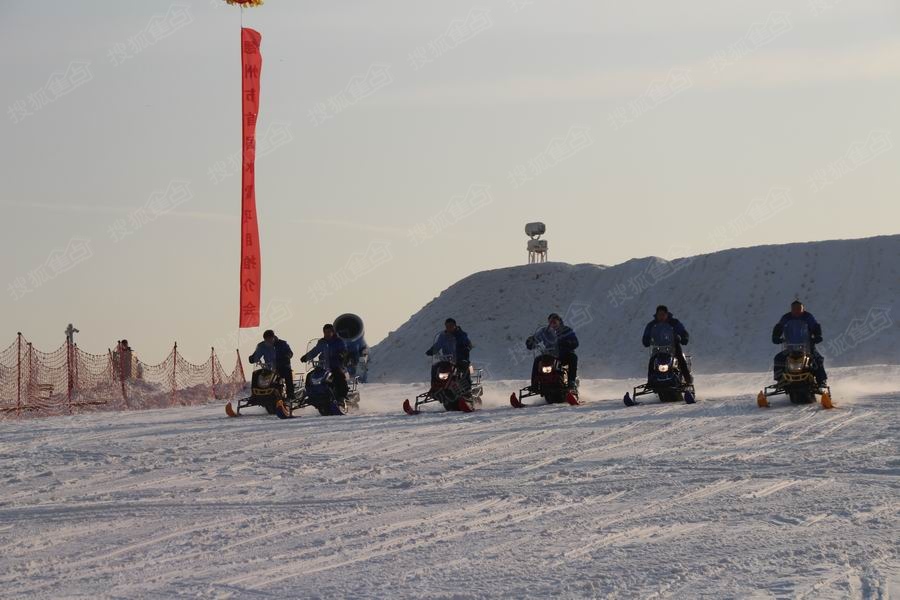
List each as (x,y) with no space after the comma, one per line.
(247,3)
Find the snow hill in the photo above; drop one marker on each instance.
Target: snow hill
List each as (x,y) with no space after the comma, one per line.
(728,300)
(714,500)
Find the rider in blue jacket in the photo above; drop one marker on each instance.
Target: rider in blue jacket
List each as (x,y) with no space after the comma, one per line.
(663,318)
(276,354)
(333,351)
(561,339)
(455,342)
(798,314)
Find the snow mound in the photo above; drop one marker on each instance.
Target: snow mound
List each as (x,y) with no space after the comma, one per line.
(728,300)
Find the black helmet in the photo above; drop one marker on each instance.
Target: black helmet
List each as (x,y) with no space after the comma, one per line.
(268,333)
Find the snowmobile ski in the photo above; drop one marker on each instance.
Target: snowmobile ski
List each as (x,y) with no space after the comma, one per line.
(282,411)
(515,402)
(408,409)
(572,398)
(229,410)
(629,401)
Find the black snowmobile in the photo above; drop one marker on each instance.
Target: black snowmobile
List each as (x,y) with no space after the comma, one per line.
(457,389)
(266,390)
(320,391)
(665,376)
(551,381)
(795,376)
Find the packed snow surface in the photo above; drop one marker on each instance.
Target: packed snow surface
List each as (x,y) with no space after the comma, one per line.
(716,500)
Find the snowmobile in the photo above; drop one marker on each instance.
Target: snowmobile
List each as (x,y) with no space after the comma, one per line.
(455,388)
(796,377)
(665,377)
(552,379)
(318,390)
(266,390)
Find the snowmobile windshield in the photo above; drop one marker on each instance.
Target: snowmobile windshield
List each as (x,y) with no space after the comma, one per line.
(796,336)
(546,341)
(444,347)
(662,335)
(657,349)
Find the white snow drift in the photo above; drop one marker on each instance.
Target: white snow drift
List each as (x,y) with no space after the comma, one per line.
(728,300)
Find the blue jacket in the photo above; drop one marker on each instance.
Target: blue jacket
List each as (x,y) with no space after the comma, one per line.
(815,330)
(455,344)
(277,355)
(333,351)
(681,334)
(563,339)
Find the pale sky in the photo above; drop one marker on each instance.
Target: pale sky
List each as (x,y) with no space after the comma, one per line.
(630,128)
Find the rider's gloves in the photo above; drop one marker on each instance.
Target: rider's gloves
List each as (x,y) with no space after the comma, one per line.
(429,352)
(529,343)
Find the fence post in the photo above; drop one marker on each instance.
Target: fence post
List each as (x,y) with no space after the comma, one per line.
(174,369)
(212,370)
(30,368)
(69,373)
(19,374)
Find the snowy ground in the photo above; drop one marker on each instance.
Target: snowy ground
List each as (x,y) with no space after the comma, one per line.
(716,500)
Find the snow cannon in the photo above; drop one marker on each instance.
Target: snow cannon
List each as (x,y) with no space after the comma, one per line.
(350,328)
(534,230)
(537,248)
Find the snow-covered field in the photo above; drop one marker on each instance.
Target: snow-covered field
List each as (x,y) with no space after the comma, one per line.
(716,500)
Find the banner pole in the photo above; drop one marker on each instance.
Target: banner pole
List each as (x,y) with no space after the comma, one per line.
(19,374)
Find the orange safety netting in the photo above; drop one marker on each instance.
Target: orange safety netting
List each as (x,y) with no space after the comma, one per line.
(35,383)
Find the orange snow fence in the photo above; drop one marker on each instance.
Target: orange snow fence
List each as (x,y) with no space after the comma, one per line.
(69,380)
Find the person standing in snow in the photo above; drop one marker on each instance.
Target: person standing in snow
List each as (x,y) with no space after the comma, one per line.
(276,354)
(124,356)
(333,351)
(799,319)
(561,340)
(452,341)
(663,326)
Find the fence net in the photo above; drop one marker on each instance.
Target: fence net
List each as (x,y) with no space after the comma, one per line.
(69,380)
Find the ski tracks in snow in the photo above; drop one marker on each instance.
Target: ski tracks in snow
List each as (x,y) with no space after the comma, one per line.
(717,499)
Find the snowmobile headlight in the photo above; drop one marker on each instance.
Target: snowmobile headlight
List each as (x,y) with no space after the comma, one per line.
(547,369)
(795,365)
(444,375)
(663,368)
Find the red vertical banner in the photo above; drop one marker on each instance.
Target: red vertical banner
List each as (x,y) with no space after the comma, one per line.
(251,265)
